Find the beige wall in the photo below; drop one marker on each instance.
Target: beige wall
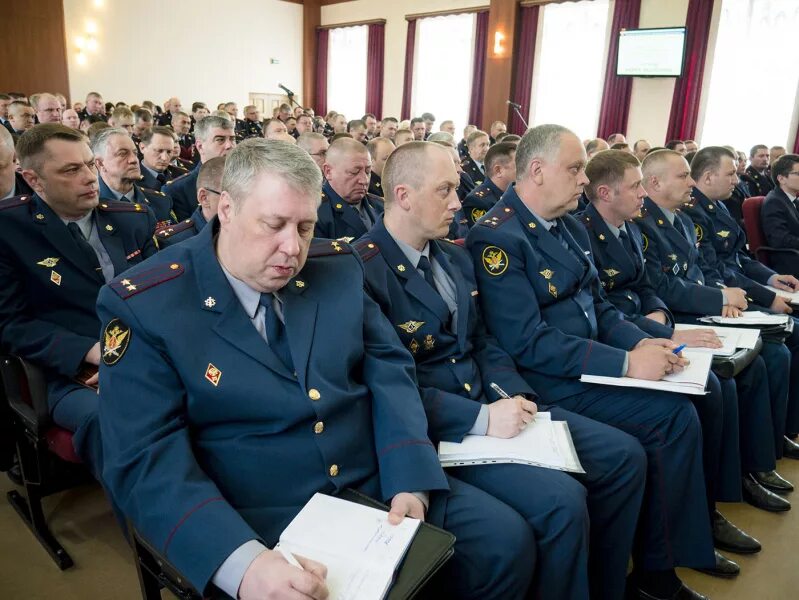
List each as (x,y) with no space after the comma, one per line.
(396,30)
(200,50)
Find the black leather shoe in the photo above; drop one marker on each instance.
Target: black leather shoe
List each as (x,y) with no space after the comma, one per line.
(759,497)
(684,593)
(790,449)
(771,480)
(724,567)
(727,536)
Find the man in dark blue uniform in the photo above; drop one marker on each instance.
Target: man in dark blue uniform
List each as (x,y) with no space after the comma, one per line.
(380,149)
(722,244)
(252,122)
(674,268)
(500,165)
(779,216)
(756,175)
(209,183)
(157,145)
(214,137)
(228,463)
(463,151)
(57,248)
(616,194)
(118,168)
(542,300)
(474,164)
(426,287)
(347,210)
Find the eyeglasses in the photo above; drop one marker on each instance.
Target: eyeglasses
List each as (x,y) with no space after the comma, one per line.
(212,191)
(323,153)
(792,173)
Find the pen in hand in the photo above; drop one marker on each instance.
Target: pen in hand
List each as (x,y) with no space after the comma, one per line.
(502,393)
(678,349)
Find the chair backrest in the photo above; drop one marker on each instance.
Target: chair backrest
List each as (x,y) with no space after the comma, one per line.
(25,388)
(754,231)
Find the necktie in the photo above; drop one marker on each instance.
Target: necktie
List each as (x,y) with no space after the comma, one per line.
(84,245)
(124,198)
(555,230)
(427,271)
(365,215)
(161,178)
(276,332)
(678,226)
(625,241)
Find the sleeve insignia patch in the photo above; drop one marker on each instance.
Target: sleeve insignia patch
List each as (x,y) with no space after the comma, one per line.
(699,232)
(645,242)
(116,339)
(477,213)
(495,260)
(411,326)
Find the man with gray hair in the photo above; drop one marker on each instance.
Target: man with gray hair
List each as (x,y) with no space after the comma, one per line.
(214,136)
(175,106)
(541,298)
(265,303)
(119,173)
(316,145)
(347,210)
(11,181)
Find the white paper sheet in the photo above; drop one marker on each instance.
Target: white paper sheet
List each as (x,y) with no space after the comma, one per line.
(749,317)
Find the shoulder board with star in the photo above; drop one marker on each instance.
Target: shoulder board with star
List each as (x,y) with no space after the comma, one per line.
(176,179)
(642,214)
(170,230)
(114,206)
(321,247)
(690,204)
(367,249)
(325,198)
(150,192)
(496,217)
(130,285)
(15,201)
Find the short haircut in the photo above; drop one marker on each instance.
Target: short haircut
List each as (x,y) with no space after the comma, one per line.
(368,116)
(355,123)
(689,156)
(5,137)
(620,146)
(121,112)
(756,148)
(148,134)
(222,114)
(635,145)
(501,136)
(653,161)
(345,145)
(94,95)
(142,114)
(499,154)
(257,156)
(195,106)
(447,122)
(783,165)
(375,143)
(442,137)
(18,104)
(31,149)
(5,97)
(304,116)
(389,120)
(592,145)
(203,127)
(210,174)
(403,133)
(284,106)
(181,113)
(672,144)
(538,142)
(407,165)
(709,159)
(305,141)
(96,127)
(474,136)
(512,138)
(607,168)
(248,107)
(426,117)
(99,143)
(416,120)
(340,136)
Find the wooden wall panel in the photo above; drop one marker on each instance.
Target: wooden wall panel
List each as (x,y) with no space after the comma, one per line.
(34,54)
(311,19)
(502,18)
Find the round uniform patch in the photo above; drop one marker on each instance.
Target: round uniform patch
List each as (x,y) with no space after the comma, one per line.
(699,232)
(477,213)
(116,338)
(646,242)
(495,261)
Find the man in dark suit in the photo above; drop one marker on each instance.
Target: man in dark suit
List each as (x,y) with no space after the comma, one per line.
(57,248)
(541,298)
(779,216)
(756,176)
(228,466)
(426,287)
(347,209)
(500,165)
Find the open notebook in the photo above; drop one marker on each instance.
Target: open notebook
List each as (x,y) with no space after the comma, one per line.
(749,317)
(732,338)
(543,443)
(356,543)
(691,380)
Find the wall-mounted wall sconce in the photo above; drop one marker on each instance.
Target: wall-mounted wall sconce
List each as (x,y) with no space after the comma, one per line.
(87,42)
(499,43)
(98,3)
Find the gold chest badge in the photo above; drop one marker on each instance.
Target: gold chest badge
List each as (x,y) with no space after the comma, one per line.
(411,326)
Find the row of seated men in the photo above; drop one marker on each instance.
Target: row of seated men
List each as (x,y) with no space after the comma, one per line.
(368,354)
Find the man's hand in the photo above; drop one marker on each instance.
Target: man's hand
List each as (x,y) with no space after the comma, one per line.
(736,297)
(786,283)
(657,315)
(508,416)
(731,311)
(270,576)
(404,505)
(652,361)
(697,338)
(93,356)
(780,305)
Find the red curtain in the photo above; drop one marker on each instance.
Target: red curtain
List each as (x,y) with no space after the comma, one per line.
(796,143)
(616,96)
(321,72)
(687,89)
(374,69)
(478,68)
(407,88)
(522,85)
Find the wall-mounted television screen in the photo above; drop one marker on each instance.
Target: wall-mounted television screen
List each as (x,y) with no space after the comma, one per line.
(651,52)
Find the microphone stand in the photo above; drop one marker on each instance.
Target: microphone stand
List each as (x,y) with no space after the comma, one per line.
(521,118)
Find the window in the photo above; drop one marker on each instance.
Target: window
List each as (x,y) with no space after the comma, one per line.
(346,70)
(443,70)
(567,88)
(754,75)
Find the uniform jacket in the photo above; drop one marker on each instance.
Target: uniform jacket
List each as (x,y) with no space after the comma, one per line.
(454,370)
(375,185)
(472,170)
(779,218)
(674,264)
(183,192)
(480,200)
(252,129)
(735,202)
(544,303)
(337,219)
(158,202)
(150,182)
(210,440)
(722,244)
(759,185)
(169,235)
(48,288)
(623,275)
